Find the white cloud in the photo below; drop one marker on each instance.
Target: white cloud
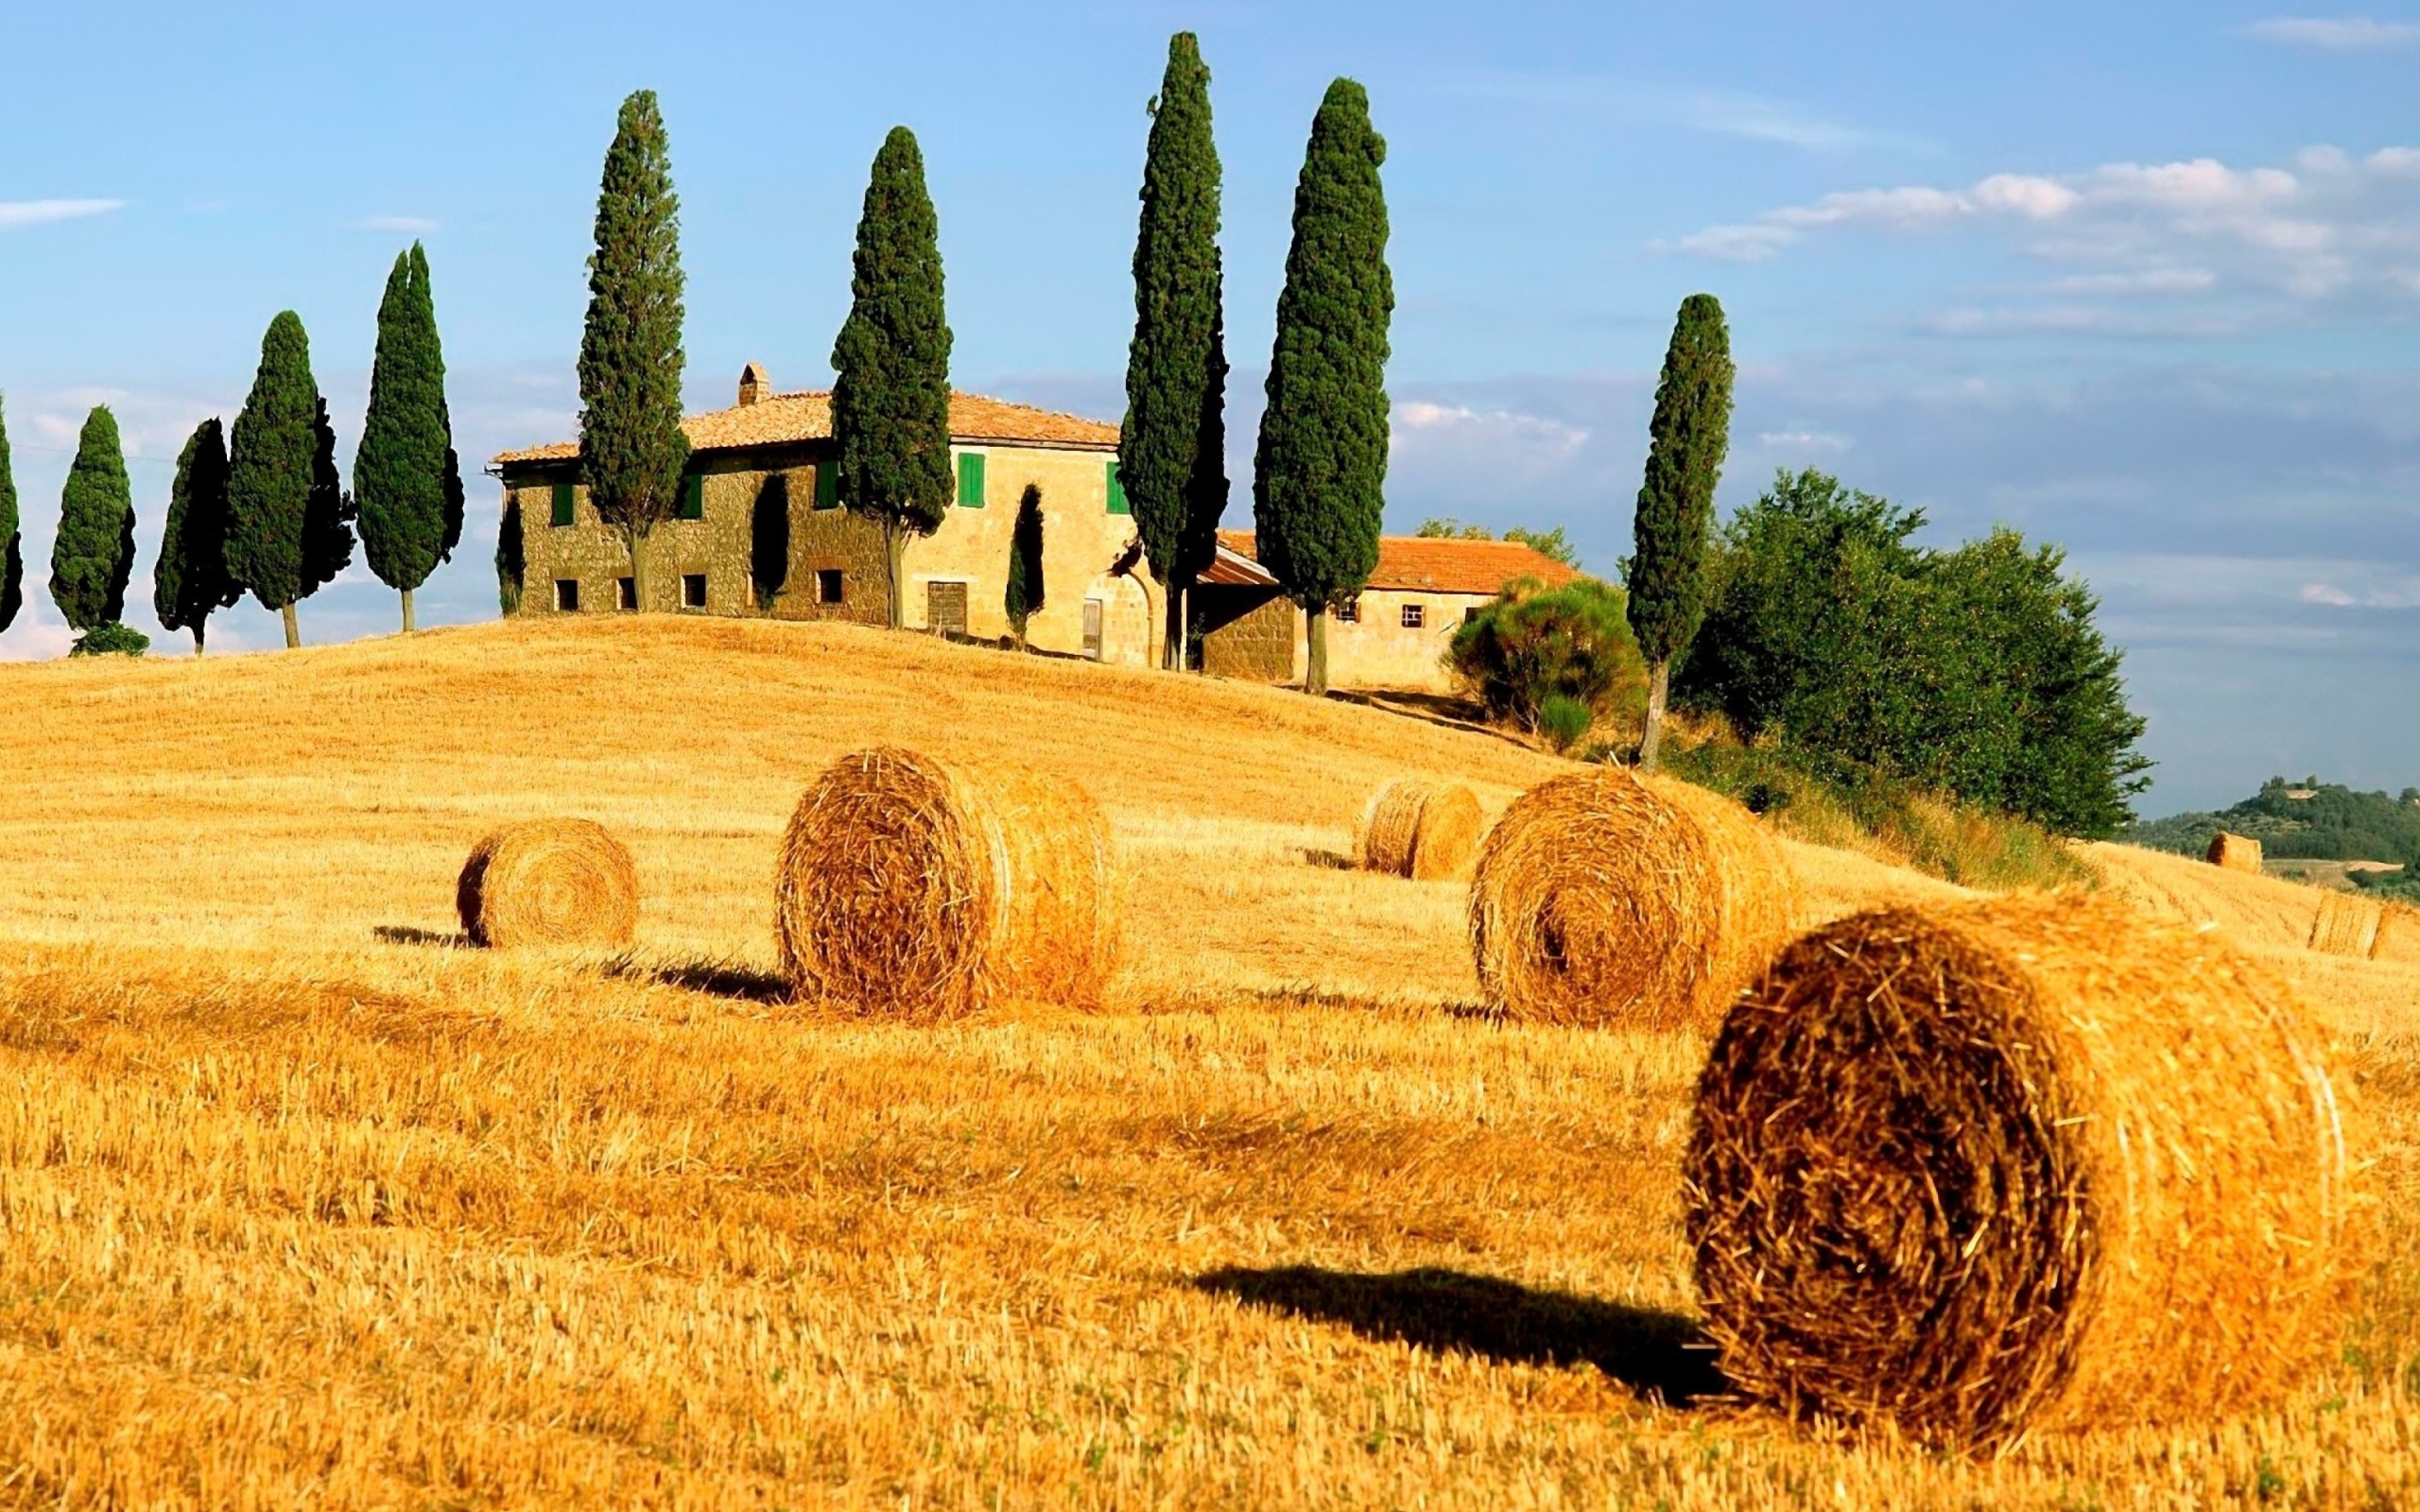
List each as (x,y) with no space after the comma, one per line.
(1797,442)
(408,225)
(2336,33)
(2144,281)
(42,212)
(1414,417)
(2327,593)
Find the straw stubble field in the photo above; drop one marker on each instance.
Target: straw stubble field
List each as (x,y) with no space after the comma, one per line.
(302,1202)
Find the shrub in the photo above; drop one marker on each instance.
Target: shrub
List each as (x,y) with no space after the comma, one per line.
(1563,720)
(111,639)
(1531,643)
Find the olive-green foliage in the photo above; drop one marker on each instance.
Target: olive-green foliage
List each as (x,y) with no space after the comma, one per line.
(399,473)
(269,468)
(12,556)
(891,392)
(1026,589)
(1552,545)
(327,514)
(1687,442)
(631,448)
(111,639)
(190,580)
(1320,471)
(1563,720)
(511,564)
(93,552)
(2333,823)
(1171,454)
(1533,643)
(1976,672)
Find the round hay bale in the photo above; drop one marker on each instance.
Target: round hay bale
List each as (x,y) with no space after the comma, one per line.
(928,889)
(1426,830)
(2345,924)
(548,881)
(2234,851)
(2021,1163)
(1605,897)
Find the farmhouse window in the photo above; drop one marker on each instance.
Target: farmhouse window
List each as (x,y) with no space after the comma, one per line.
(827,485)
(562,504)
(693,497)
(829,586)
(567,594)
(1415,616)
(626,592)
(1116,492)
(1349,613)
(970,480)
(693,589)
(946,608)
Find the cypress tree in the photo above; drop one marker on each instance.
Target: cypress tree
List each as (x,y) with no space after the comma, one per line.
(1172,453)
(1687,442)
(93,554)
(13,554)
(327,516)
(452,476)
(269,473)
(400,472)
(631,448)
(511,564)
(1026,589)
(891,395)
(1320,472)
(190,580)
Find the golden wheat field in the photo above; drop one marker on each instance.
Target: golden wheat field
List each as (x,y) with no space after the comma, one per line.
(306,1203)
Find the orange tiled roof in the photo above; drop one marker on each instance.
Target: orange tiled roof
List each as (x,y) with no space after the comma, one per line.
(808,417)
(1411,564)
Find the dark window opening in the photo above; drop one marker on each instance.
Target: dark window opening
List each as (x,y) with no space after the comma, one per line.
(562,502)
(1349,613)
(1415,616)
(693,497)
(829,586)
(693,589)
(567,594)
(1469,616)
(626,592)
(1092,627)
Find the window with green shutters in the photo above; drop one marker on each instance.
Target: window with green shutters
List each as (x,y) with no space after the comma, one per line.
(970,480)
(827,485)
(693,497)
(562,504)
(1116,492)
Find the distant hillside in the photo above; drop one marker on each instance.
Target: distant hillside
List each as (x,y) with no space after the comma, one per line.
(2309,820)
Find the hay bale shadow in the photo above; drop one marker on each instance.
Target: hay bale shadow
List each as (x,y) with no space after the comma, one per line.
(409,935)
(1657,1354)
(1333,859)
(715,978)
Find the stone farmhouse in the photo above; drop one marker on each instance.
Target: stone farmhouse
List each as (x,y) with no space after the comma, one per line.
(759,531)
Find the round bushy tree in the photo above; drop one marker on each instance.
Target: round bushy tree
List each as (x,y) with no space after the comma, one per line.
(94,554)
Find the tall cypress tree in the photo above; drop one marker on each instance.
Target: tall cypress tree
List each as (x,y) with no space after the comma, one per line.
(1686,442)
(890,398)
(190,579)
(631,448)
(400,471)
(1320,472)
(327,516)
(93,554)
(13,554)
(512,558)
(1026,591)
(1172,453)
(269,473)
(451,477)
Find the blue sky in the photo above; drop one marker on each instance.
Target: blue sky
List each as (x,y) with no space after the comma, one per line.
(2139,280)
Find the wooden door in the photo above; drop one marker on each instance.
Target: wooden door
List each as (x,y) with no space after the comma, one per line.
(946,608)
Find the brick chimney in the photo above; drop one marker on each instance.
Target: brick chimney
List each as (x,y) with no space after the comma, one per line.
(752,384)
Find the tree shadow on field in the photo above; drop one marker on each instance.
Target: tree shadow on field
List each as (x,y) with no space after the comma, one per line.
(1658,1354)
(715,978)
(409,935)
(1333,859)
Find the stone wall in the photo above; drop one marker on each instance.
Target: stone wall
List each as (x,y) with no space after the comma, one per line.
(1375,650)
(1246,632)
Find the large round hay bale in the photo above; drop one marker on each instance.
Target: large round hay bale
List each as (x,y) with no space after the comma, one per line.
(928,889)
(2026,1162)
(2234,851)
(548,881)
(1606,898)
(1427,830)
(2345,924)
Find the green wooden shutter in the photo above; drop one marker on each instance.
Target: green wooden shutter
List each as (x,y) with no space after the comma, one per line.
(693,497)
(1116,492)
(827,485)
(562,515)
(970,480)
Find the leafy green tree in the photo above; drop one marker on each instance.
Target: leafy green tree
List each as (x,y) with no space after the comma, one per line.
(13,554)
(328,514)
(1026,589)
(94,554)
(1532,644)
(512,558)
(406,482)
(1172,453)
(190,581)
(270,474)
(111,639)
(891,392)
(1320,470)
(1554,544)
(1686,442)
(631,447)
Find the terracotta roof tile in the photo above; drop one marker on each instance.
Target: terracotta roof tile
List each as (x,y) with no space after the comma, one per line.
(1411,563)
(808,417)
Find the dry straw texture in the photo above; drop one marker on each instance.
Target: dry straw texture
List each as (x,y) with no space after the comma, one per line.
(1606,898)
(2020,1164)
(548,881)
(2234,851)
(928,889)
(1426,830)
(2399,933)
(2345,924)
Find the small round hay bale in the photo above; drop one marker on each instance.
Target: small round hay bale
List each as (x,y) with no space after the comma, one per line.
(2234,851)
(548,881)
(2021,1163)
(2345,924)
(1428,832)
(1605,897)
(929,890)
